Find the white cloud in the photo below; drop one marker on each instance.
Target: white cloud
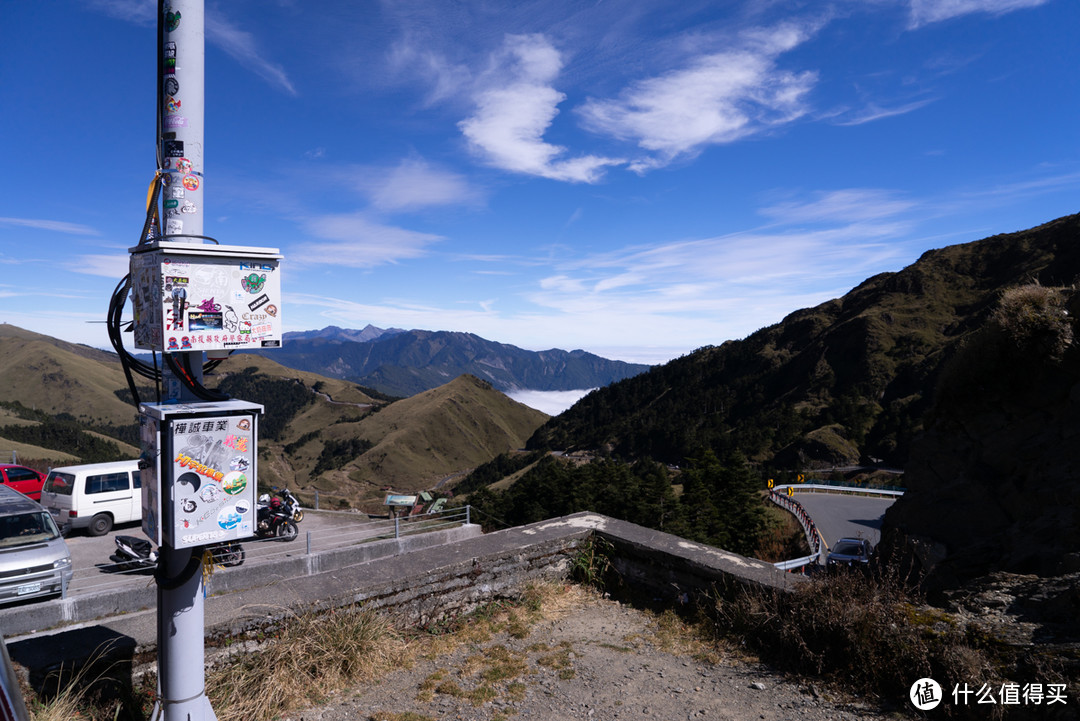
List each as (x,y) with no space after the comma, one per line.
(414,183)
(108,266)
(56,226)
(924,12)
(240,46)
(357,242)
(716,98)
(516,106)
(874,112)
(843,206)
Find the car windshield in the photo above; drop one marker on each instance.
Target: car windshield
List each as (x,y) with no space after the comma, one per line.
(26,528)
(60,483)
(848,549)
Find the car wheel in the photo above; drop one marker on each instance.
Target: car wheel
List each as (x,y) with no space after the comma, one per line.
(100,524)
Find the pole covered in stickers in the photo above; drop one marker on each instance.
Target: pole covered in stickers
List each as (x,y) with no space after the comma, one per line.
(180,118)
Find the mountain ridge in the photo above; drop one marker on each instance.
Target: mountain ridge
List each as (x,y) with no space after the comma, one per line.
(848,380)
(405,363)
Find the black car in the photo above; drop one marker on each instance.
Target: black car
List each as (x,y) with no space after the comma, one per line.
(849,552)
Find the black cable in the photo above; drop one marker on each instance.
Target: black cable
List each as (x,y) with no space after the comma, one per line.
(194,565)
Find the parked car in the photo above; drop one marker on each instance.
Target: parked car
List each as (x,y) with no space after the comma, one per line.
(95,496)
(25,480)
(849,552)
(34,560)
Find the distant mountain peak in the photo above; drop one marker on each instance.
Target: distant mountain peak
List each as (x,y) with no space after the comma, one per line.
(335,333)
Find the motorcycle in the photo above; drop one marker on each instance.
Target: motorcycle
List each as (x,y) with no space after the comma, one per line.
(277,515)
(134,553)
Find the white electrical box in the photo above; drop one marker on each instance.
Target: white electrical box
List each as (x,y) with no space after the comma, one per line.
(199,472)
(192,297)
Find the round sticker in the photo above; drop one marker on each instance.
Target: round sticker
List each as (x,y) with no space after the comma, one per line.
(188,505)
(191,182)
(228,519)
(234,482)
(183,165)
(210,493)
(242,506)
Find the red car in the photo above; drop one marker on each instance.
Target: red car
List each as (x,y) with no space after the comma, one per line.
(25,480)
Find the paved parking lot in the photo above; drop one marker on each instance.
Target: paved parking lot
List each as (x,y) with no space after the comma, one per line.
(322,529)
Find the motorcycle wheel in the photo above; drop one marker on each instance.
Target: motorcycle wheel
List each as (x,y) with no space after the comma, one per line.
(288,531)
(233,557)
(298,515)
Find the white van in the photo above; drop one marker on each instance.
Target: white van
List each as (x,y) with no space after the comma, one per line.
(95,496)
(34,560)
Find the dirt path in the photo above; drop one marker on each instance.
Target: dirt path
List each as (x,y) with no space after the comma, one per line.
(599,660)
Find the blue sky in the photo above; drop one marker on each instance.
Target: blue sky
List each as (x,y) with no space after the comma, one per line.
(637,179)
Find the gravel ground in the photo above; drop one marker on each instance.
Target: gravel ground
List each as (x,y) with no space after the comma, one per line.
(598,660)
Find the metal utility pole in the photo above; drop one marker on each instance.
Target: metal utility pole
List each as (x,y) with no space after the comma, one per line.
(181,102)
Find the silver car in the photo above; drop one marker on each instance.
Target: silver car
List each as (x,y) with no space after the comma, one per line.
(34,560)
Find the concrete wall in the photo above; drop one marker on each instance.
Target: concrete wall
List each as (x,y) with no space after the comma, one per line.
(424,578)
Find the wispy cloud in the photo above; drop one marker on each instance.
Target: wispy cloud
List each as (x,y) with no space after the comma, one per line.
(56,226)
(239,44)
(109,266)
(839,206)
(412,184)
(516,106)
(355,241)
(716,98)
(873,112)
(924,12)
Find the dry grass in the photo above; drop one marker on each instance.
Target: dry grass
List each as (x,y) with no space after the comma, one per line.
(312,655)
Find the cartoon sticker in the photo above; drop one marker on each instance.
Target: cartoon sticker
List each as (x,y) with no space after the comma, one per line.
(271,310)
(183,165)
(239,463)
(234,482)
(244,424)
(172,20)
(173,345)
(253,283)
(188,505)
(230,319)
(185,343)
(191,182)
(172,106)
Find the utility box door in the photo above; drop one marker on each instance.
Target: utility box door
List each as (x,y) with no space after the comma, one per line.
(204,488)
(205,297)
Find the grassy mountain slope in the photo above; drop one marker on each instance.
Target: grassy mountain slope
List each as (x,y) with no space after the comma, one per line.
(419,440)
(54,376)
(850,377)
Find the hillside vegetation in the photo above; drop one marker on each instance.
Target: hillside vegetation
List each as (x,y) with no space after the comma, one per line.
(847,380)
